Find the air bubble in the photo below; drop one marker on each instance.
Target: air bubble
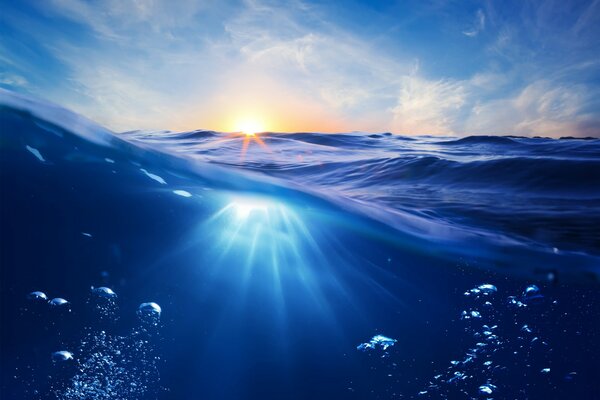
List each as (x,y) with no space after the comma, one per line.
(487,288)
(182,193)
(154,177)
(61,356)
(514,302)
(486,389)
(149,313)
(103,300)
(532,293)
(531,290)
(470,314)
(570,376)
(105,292)
(37,296)
(377,341)
(526,329)
(59,303)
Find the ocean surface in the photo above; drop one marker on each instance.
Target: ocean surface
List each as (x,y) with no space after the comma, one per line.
(207,265)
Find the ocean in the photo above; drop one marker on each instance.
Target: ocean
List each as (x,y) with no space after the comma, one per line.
(207,265)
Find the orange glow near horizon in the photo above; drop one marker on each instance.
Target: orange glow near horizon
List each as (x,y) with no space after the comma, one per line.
(282,116)
(248,129)
(249,126)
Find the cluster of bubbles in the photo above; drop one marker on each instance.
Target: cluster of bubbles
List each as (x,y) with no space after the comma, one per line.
(478,370)
(105,365)
(499,341)
(57,303)
(103,302)
(377,342)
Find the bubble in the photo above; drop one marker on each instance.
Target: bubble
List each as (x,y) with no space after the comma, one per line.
(487,288)
(457,376)
(58,301)
(570,376)
(37,296)
(154,177)
(486,389)
(149,312)
(514,302)
(531,290)
(489,342)
(61,356)
(111,366)
(182,193)
(526,329)
(532,294)
(377,341)
(36,153)
(103,300)
(470,314)
(104,292)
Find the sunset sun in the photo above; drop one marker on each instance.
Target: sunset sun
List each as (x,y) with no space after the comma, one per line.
(250,126)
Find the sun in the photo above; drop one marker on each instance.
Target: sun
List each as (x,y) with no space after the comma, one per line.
(251,130)
(250,126)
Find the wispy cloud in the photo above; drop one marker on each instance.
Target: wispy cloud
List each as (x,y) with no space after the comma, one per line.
(541,108)
(12,80)
(428,107)
(478,25)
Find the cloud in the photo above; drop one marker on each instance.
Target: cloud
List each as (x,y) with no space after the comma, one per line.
(478,25)
(428,107)
(185,65)
(117,20)
(13,80)
(541,108)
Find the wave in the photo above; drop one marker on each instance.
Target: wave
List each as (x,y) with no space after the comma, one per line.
(480,140)
(565,178)
(539,197)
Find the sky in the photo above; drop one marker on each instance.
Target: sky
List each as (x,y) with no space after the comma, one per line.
(436,67)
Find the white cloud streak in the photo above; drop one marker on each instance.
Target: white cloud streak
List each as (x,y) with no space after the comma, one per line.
(478,25)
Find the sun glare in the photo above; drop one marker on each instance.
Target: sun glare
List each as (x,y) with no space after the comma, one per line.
(250,127)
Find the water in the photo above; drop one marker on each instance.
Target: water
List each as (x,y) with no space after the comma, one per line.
(215,266)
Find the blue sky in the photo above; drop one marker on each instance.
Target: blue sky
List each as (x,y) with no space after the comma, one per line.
(409,67)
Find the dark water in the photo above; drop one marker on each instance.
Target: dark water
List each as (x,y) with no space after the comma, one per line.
(275,260)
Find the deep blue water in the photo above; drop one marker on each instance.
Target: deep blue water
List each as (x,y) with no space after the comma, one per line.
(276,262)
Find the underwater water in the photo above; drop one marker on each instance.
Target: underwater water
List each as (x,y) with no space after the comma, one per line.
(204,265)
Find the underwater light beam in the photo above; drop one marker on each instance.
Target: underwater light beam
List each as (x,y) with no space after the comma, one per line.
(243,208)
